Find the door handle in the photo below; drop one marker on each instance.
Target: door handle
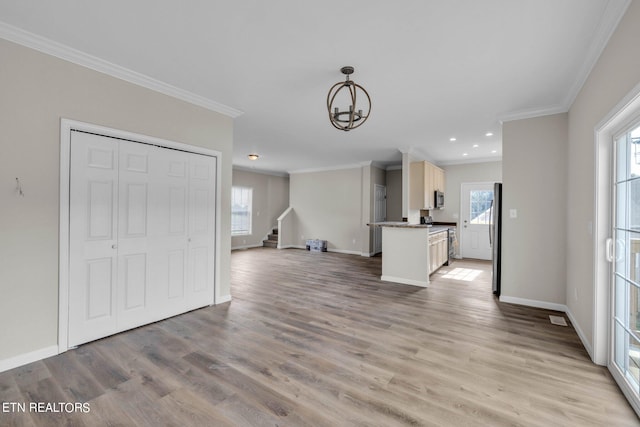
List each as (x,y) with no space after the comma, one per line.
(114,246)
(609,249)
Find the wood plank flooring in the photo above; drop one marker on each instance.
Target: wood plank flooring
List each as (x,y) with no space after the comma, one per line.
(316,339)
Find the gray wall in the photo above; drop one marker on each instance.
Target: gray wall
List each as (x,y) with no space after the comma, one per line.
(616,73)
(333,205)
(37,90)
(270,199)
(394,195)
(534,153)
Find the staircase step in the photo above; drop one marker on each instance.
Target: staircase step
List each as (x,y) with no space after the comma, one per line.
(270,243)
(273,237)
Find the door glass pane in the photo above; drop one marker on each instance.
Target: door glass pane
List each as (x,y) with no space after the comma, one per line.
(622,157)
(633,204)
(634,362)
(480,206)
(634,318)
(619,347)
(634,148)
(621,207)
(620,307)
(621,253)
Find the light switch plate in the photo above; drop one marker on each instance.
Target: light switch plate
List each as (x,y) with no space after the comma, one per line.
(513,213)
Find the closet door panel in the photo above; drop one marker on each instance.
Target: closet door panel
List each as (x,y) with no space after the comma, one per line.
(93,193)
(134,222)
(201,205)
(169,238)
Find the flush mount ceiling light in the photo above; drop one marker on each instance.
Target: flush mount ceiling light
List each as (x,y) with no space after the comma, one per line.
(353,98)
(253,156)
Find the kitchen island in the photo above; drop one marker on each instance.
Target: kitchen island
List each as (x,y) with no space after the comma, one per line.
(405,252)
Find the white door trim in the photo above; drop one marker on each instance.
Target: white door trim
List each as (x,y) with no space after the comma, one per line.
(618,119)
(66,126)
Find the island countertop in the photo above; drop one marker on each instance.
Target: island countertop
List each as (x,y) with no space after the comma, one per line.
(402,224)
(398,224)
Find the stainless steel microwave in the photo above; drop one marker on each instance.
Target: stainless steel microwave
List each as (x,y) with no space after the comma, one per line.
(438,199)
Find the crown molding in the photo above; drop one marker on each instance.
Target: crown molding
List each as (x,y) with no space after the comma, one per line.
(328,168)
(611,17)
(496,159)
(64,52)
(532,112)
(613,13)
(260,171)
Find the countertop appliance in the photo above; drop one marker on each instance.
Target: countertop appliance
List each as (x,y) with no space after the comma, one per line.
(426,219)
(438,199)
(495,236)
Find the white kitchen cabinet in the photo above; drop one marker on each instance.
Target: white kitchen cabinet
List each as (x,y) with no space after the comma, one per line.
(424,179)
(438,250)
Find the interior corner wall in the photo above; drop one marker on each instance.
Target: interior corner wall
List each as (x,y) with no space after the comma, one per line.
(454,176)
(615,74)
(37,91)
(394,195)
(534,153)
(270,200)
(328,205)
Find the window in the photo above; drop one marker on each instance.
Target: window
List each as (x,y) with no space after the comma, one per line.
(241,210)
(480,206)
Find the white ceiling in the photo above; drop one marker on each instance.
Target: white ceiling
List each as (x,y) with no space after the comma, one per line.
(435,69)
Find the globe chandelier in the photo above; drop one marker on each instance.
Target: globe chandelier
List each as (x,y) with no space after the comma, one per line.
(353,100)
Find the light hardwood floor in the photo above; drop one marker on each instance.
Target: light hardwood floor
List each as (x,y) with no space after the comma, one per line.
(316,339)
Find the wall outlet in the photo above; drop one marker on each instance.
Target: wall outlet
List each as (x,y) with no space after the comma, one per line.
(513,213)
(575,294)
(354,241)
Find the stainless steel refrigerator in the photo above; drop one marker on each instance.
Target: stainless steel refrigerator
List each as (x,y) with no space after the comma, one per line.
(495,236)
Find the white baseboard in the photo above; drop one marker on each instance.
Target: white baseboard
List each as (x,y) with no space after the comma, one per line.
(223,298)
(581,334)
(404,281)
(26,358)
(534,303)
(344,251)
(235,248)
(557,307)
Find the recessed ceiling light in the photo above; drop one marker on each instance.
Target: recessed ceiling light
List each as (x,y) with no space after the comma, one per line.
(475,145)
(494,151)
(488,134)
(253,156)
(465,154)
(452,139)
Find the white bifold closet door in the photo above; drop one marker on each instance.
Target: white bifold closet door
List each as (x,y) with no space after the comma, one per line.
(141,234)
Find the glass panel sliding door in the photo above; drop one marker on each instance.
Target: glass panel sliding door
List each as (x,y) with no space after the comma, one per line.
(625,358)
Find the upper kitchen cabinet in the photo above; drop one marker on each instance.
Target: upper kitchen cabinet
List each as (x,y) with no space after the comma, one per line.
(424,179)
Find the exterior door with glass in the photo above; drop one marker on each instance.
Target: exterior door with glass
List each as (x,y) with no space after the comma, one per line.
(475,218)
(624,361)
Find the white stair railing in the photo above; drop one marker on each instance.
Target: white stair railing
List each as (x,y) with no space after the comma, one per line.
(285,229)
